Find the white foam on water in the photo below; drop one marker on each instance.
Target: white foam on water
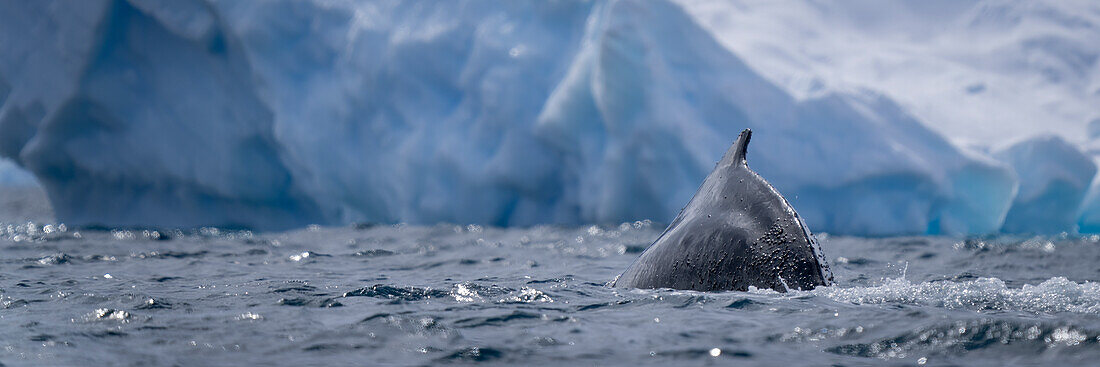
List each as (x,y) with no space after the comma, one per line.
(1054,295)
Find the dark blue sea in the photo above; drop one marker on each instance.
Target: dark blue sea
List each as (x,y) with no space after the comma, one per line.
(463,294)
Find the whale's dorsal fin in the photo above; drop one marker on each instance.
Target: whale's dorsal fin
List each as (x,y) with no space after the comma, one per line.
(740,148)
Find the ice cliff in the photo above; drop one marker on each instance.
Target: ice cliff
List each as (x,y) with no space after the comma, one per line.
(275,114)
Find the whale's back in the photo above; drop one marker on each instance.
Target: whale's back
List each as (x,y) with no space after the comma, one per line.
(737,231)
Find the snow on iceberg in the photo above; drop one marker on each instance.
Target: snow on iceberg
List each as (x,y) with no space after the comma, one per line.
(278,113)
(979,72)
(1053,176)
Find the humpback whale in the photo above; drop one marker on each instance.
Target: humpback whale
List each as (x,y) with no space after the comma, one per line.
(737,231)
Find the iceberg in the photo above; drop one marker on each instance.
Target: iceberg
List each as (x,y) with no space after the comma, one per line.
(1088,220)
(160,127)
(652,99)
(11,175)
(277,114)
(1054,176)
(21,197)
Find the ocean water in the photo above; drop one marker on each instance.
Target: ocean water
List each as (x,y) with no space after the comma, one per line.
(463,294)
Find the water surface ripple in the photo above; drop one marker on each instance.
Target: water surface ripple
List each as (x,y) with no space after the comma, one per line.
(447,294)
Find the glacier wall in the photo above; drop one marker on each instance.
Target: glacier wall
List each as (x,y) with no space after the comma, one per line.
(281,113)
